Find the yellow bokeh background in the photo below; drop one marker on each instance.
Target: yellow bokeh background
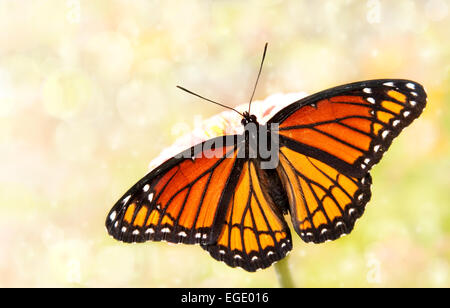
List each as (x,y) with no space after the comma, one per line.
(88,99)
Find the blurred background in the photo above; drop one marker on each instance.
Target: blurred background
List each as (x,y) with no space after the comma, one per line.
(88,99)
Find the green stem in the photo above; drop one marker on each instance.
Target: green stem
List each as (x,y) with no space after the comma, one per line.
(283,273)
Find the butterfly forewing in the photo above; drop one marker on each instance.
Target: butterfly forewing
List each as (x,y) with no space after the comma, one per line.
(351,126)
(178,201)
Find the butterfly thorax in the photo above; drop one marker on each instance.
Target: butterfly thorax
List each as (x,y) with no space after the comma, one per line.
(251,132)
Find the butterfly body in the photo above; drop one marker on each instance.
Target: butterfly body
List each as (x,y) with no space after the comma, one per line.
(311,160)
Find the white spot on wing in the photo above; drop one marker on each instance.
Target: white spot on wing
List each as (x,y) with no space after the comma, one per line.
(125,200)
(411,85)
(371,100)
(112,216)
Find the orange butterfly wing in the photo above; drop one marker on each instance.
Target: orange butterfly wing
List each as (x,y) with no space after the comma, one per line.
(351,126)
(328,143)
(254,233)
(180,200)
(324,203)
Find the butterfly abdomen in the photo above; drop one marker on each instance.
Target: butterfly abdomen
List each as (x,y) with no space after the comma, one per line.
(273,187)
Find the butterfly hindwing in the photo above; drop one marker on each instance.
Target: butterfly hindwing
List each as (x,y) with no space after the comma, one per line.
(254,233)
(180,200)
(351,126)
(324,203)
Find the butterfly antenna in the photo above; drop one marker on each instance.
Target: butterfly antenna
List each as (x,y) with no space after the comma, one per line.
(257,79)
(206,99)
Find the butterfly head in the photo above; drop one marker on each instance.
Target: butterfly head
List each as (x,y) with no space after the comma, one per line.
(248,118)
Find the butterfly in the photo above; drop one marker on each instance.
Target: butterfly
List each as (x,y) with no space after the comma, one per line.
(221,195)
